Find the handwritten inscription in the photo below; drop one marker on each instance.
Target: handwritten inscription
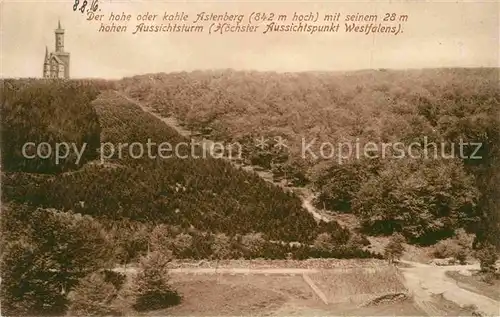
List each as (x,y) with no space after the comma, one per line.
(82,7)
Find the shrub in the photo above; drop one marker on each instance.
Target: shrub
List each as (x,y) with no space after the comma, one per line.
(489,278)
(93,296)
(182,245)
(323,242)
(359,240)
(160,239)
(221,246)
(131,243)
(115,278)
(458,247)
(253,244)
(152,287)
(464,239)
(448,248)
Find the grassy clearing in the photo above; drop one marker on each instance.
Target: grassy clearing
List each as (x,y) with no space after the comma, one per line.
(474,283)
(273,295)
(403,308)
(291,287)
(359,285)
(222,297)
(231,295)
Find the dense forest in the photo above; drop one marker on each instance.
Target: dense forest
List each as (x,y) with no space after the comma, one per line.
(207,194)
(426,199)
(68,220)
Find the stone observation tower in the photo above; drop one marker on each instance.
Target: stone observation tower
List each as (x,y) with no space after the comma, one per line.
(56,64)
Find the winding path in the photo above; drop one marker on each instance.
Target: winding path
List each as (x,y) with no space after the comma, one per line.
(173,123)
(307,203)
(170,121)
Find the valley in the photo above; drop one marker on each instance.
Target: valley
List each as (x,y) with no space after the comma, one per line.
(306,195)
(268,232)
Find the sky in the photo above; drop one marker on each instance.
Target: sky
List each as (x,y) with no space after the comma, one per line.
(436,34)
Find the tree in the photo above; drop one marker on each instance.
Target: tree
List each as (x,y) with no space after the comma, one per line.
(27,289)
(426,200)
(339,184)
(56,250)
(93,296)
(152,287)
(395,248)
(70,244)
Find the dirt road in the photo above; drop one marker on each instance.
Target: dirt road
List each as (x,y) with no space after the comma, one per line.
(426,280)
(244,270)
(288,271)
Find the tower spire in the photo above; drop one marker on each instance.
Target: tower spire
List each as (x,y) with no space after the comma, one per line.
(46,53)
(59,33)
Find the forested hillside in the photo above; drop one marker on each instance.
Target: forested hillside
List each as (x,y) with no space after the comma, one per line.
(67,221)
(207,194)
(425,199)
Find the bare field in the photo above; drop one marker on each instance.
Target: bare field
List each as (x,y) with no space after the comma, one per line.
(276,295)
(300,288)
(229,295)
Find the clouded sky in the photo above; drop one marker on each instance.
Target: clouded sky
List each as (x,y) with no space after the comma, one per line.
(436,34)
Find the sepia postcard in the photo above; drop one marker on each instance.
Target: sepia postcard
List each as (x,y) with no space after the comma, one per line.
(250,158)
